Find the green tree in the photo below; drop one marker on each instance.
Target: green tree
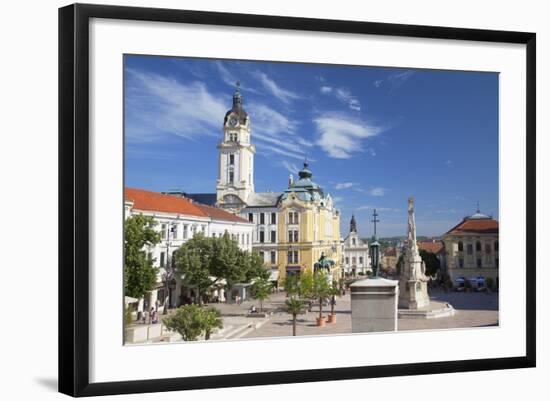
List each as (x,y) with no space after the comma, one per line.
(140,275)
(188,320)
(261,290)
(291,285)
(194,259)
(294,307)
(431,261)
(321,289)
(254,267)
(334,292)
(205,261)
(211,319)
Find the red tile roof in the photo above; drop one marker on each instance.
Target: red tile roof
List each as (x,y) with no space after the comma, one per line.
(219,214)
(392,251)
(431,246)
(476,226)
(157,202)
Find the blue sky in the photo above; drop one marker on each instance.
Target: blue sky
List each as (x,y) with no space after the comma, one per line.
(374,136)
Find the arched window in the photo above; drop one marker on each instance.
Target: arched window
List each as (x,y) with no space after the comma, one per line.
(478,246)
(460,246)
(487,248)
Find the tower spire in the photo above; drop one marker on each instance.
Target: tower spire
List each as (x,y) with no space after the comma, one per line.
(237,97)
(352,224)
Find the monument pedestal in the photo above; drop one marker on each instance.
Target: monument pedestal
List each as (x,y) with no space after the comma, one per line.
(413,294)
(374,305)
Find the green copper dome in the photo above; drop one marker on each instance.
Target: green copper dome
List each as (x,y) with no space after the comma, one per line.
(304,188)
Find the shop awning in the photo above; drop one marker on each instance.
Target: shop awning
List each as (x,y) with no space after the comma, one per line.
(274,275)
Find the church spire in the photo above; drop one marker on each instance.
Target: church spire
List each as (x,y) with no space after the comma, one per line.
(352,224)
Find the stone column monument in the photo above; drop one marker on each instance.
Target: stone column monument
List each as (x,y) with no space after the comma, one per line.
(413,284)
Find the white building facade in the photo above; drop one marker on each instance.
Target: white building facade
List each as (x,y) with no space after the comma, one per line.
(356,259)
(178,220)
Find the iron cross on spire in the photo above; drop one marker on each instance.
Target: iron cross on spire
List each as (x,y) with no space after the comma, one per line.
(375,220)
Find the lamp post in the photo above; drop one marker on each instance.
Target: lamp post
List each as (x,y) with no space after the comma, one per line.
(375,247)
(168,268)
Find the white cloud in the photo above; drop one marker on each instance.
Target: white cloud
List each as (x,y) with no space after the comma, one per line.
(337,199)
(398,79)
(344,185)
(159,105)
(394,80)
(377,191)
(231,79)
(341,136)
(290,167)
(345,96)
(277,131)
(284,95)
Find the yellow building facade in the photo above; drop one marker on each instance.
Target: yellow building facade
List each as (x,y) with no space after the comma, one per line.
(308,228)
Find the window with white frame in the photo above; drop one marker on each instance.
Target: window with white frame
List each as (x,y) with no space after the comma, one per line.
(273,257)
(292,235)
(293,218)
(292,257)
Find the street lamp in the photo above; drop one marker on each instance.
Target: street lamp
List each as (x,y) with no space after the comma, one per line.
(168,268)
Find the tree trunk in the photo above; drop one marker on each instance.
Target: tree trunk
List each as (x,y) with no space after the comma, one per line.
(294,324)
(332,305)
(261,306)
(320,308)
(207,335)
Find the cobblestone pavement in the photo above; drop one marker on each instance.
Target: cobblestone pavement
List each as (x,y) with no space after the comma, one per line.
(472,310)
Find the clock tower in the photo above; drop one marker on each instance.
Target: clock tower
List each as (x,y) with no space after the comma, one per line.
(236,158)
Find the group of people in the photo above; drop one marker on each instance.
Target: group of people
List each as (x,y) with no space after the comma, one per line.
(151,317)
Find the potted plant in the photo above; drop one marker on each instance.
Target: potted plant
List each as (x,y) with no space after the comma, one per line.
(321,289)
(334,291)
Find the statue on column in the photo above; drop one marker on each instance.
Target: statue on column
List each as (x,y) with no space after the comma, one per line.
(417,270)
(413,283)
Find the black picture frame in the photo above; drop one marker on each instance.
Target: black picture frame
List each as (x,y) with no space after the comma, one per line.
(74,198)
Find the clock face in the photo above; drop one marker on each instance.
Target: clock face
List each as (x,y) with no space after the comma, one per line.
(233,122)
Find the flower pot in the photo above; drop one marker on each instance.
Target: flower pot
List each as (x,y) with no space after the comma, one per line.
(332,318)
(321,321)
